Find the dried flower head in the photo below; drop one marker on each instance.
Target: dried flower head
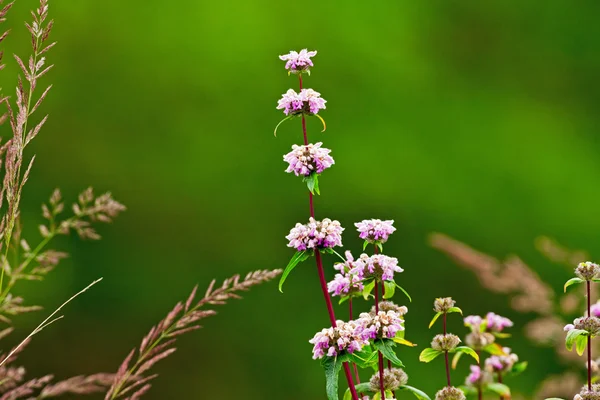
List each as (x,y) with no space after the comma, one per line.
(450,393)
(375,230)
(308,159)
(332,341)
(588,324)
(496,323)
(384,325)
(298,61)
(587,270)
(478,340)
(316,235)
(587,394)
(502,363)
(390,306)
(378,266)
(392,380)
(443,304)
(307,102)
(445,342)
(343,285)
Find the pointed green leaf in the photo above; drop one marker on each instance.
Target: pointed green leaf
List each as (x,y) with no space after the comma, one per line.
(386,347)
(343,299)
(405,292)
(455,359)
(390,289)
(580,343)
(498,388)
(403,341)
(310,182)
(501,335)
(377,396)
(572,336)
(347,395)
(365,244)
(367,289)
(296,259)
(378,244)
(455,309)
(332,367)
(429,354)
(466,350)
(419,394)
(435,318)
(494,349)
(518,368)
(572,281)
(316,185)
(281,122)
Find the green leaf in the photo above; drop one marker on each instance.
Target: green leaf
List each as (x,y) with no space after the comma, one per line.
(386,347)
(501,335)
(494,349)
(281,122)
(312,182)
(377,396)
(367,289)
(343,299)
(499,388)
(338,254)
(390,289)
(468,351)
(365,244)
(518,368)
(405,292)
(363,387)
(296,259)
(572,336)
(419,394)
(580,343)
(455,309)
(403,342)
(429,354)
(365,358)
(573,281)
(455,359)
(378,244)
(332,367)
(347,395)
(435,318)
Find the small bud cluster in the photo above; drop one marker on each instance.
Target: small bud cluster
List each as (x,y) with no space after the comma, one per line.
(478,340)
(588,324)
(345,284)
(450,393)
(496,323)
(587,394)
(298,62)
(445,342)
(502,363)
(378,266)
(587,270)
(384,325)
(375,230)
(307,102)
(443,304)
(392,380)
(330,342)
(308,159)
(390,306)
(316,235)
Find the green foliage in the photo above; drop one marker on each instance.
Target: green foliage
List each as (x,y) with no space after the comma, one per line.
(419,394)
(572,281)
(386,347)
(297,258)
(332,367)
(429,354)
(466,350)
(312,182)
(572,336)
(390,289)
(367,289)
(498,388)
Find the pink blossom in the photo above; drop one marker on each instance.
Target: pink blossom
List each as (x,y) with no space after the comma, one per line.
(304,160)
(342,285)
(377,266)
(497,323)
(315,235)
(383,325)
(475,375)
(307,101)
(332,341)
(375,230)
(298,62)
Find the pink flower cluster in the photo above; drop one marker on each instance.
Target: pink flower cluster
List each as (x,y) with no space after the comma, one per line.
(493,322)
(304,160)
(476,376)
(343,285)
(383,325)
(332,341)
(307,101)
(496,323)
(315,235)
(501,363)
(298,62)
(377,266)
(375,230)
(595,309)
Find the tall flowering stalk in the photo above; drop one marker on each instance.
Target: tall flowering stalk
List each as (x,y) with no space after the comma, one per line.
(583,329)
(444,344)
(309,161)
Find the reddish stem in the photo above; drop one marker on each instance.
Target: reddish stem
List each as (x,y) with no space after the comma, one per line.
(351,317)
(589,339)
(381,367)
(500,381)
(322,273)
(446,356)
(479,392)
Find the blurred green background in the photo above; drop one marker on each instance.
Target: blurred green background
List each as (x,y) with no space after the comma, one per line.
(477,119)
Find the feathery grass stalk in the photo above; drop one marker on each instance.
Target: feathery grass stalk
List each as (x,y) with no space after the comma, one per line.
(320,269)
(49,320)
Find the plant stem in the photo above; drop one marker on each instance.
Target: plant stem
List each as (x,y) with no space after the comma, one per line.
(446,356)
(500,381)
(589,339)
(479,392)
(381,367)
(321,272)
(351,317)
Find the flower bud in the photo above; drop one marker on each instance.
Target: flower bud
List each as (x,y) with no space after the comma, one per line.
(445,342)
(392,380)
(587,270)
(443,304)
(589,324)
(478,340)
(450,393)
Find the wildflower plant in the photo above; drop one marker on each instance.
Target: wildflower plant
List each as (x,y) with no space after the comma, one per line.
(446,343)
(366,341)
